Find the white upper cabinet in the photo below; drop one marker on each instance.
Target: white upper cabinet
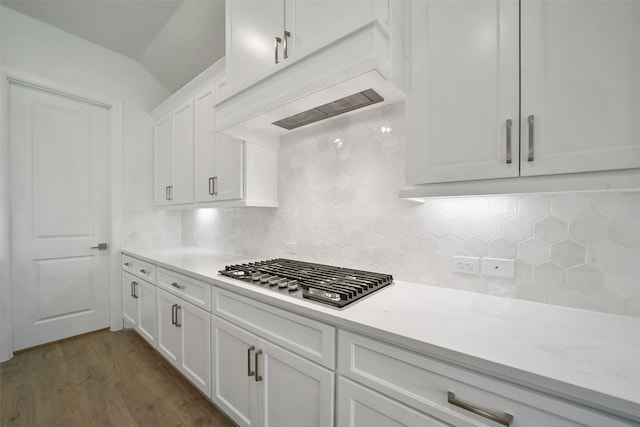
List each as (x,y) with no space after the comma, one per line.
(580,85)
(464,91)
(195,166)
(262,35)
(218,158)
(173,150)
(252,28)
(569,122)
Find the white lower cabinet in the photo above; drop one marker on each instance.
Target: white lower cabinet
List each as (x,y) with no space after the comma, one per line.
(184,331)
(446,394)
(258,383)
(139,305)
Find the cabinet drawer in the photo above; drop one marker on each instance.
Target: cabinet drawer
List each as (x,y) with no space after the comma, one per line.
(423,383)
(308,338)
(128,264)
(146,271)
(360,406)
(191,290)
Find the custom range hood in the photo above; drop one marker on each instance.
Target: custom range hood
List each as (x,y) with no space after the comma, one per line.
(363,69)
(330,109)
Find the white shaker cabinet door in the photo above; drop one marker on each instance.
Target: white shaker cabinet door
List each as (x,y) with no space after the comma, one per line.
(182,191)
(580,86)
(463,103)
(233,372)
(313,23)
(129,301)
(146,297)
(310,403)
(168,327)
(252,28)
(163,160)
(219,163)
(173,156)
(196,350)
(229,160)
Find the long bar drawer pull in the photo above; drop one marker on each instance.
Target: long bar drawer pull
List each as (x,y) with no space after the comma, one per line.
(509,124)
(532,121)
(258,377)
(249,371)
(505,419)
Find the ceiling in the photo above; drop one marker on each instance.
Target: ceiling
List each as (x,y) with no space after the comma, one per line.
(174,39)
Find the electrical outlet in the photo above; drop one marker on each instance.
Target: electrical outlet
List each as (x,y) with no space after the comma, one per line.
(465,264)
(290,248)
(498,267)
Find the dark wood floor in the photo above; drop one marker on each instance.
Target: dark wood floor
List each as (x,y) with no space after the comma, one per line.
(99,379)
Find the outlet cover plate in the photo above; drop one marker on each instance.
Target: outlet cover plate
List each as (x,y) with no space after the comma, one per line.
(290,248)
(465,264)
(498,267)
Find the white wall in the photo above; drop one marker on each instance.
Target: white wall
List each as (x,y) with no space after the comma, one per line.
(341,206)
(30,46)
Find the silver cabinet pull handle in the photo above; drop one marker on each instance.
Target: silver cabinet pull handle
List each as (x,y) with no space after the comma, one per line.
(127,264)
(133,292)
(250,373)
(532,122)
(278,40)
(166,192)
(258,353)
(101,247)
(174,314)
(143,271)
(178,324)
(504,420)
(213,185)
(175,285)
(509,124)
(287,34)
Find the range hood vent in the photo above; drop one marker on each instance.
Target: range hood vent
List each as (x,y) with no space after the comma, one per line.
(330,109)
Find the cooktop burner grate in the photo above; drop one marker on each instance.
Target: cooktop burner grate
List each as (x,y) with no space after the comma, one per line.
(335,286)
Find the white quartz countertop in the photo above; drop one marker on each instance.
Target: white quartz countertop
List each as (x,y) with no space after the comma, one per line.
(585,356)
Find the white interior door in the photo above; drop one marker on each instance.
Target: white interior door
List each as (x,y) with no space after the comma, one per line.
(59,211)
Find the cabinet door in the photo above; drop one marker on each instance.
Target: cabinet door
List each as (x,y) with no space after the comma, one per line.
(229,159)
(169,334)
(146,326)
(359,406)
(252,28)
(581,85)
(183,154)
(196,349)
(219,158)
(204,144)
(313,23)
(129,301)
(233,383)
(163,163)
(464,78)
(293,391)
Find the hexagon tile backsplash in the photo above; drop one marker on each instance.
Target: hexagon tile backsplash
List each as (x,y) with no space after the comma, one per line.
(338,185)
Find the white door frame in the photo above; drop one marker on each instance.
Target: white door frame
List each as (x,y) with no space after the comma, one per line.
(115,107)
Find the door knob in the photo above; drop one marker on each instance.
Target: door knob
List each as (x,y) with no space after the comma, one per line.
(101,247)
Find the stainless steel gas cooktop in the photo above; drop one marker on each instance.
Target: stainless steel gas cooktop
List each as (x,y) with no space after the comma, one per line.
(334,286)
